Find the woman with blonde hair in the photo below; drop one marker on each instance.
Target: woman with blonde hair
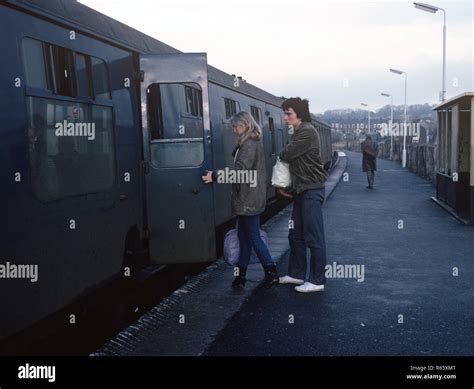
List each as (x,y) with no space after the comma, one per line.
(248,196)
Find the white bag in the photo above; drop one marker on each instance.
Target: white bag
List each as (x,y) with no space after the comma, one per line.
(281,177)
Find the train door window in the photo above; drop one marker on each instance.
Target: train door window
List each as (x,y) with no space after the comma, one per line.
(82,68)
(230,108)
(100,78)
(155,114)
(36,71)
(175,125)
(193,101)
(256,113)
(71,148)
(271,127)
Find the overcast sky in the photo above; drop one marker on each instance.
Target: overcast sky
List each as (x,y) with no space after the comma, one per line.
(336,54)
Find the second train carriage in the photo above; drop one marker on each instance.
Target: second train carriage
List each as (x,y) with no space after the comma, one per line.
(73,205)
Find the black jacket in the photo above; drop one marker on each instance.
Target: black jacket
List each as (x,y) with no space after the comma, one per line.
(304,156)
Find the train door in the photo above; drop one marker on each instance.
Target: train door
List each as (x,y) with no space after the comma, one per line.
(177,149)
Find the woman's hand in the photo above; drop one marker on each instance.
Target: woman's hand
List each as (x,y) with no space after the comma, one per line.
(207,178)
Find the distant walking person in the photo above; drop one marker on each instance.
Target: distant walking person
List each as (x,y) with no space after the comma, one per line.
(249,198)
(308,176)
(370,151)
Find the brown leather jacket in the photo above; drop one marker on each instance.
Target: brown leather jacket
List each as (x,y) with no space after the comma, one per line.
(304,155)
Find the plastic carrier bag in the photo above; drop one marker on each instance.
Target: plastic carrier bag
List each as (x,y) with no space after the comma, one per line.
(281,177)
(232,247)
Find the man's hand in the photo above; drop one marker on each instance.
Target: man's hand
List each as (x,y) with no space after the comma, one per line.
(284,194)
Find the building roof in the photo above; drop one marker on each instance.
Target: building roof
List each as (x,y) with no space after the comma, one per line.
(453,100)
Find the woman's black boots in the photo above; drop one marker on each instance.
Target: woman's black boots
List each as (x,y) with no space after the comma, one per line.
(239,280)
(271,276)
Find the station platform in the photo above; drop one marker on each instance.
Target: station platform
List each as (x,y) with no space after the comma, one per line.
(188,321)
(415,296)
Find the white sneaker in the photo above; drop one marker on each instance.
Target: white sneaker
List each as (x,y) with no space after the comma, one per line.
(308,287)
(291,280)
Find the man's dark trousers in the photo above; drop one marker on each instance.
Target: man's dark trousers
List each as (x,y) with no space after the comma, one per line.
(308,231)
(370,177)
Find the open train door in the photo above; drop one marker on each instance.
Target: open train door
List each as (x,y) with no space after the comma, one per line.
(177,150)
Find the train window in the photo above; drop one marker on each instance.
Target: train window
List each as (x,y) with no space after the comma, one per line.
(83,78)
(61,67)
(230,108)
(193,101)
(35,65)
(256,113)
(100,78)
(176,134)
(71,148)
(271,127)
(63,72)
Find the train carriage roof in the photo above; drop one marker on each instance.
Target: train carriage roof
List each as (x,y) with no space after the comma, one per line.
(75,14)
(319,121)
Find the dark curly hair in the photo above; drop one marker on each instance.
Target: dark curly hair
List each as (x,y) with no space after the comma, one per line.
(301,108)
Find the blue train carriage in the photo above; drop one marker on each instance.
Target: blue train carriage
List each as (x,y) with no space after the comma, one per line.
(105,135)
(88,173)
(324,130)
(70,152)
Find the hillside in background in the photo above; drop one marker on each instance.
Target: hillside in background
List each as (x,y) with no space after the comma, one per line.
(349,116)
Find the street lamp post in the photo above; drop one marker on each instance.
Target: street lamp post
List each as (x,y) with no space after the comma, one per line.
(404,152)
(433,9)
(368,110)
(390,124)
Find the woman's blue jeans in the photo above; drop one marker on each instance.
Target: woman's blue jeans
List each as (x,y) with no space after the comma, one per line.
(249,237)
